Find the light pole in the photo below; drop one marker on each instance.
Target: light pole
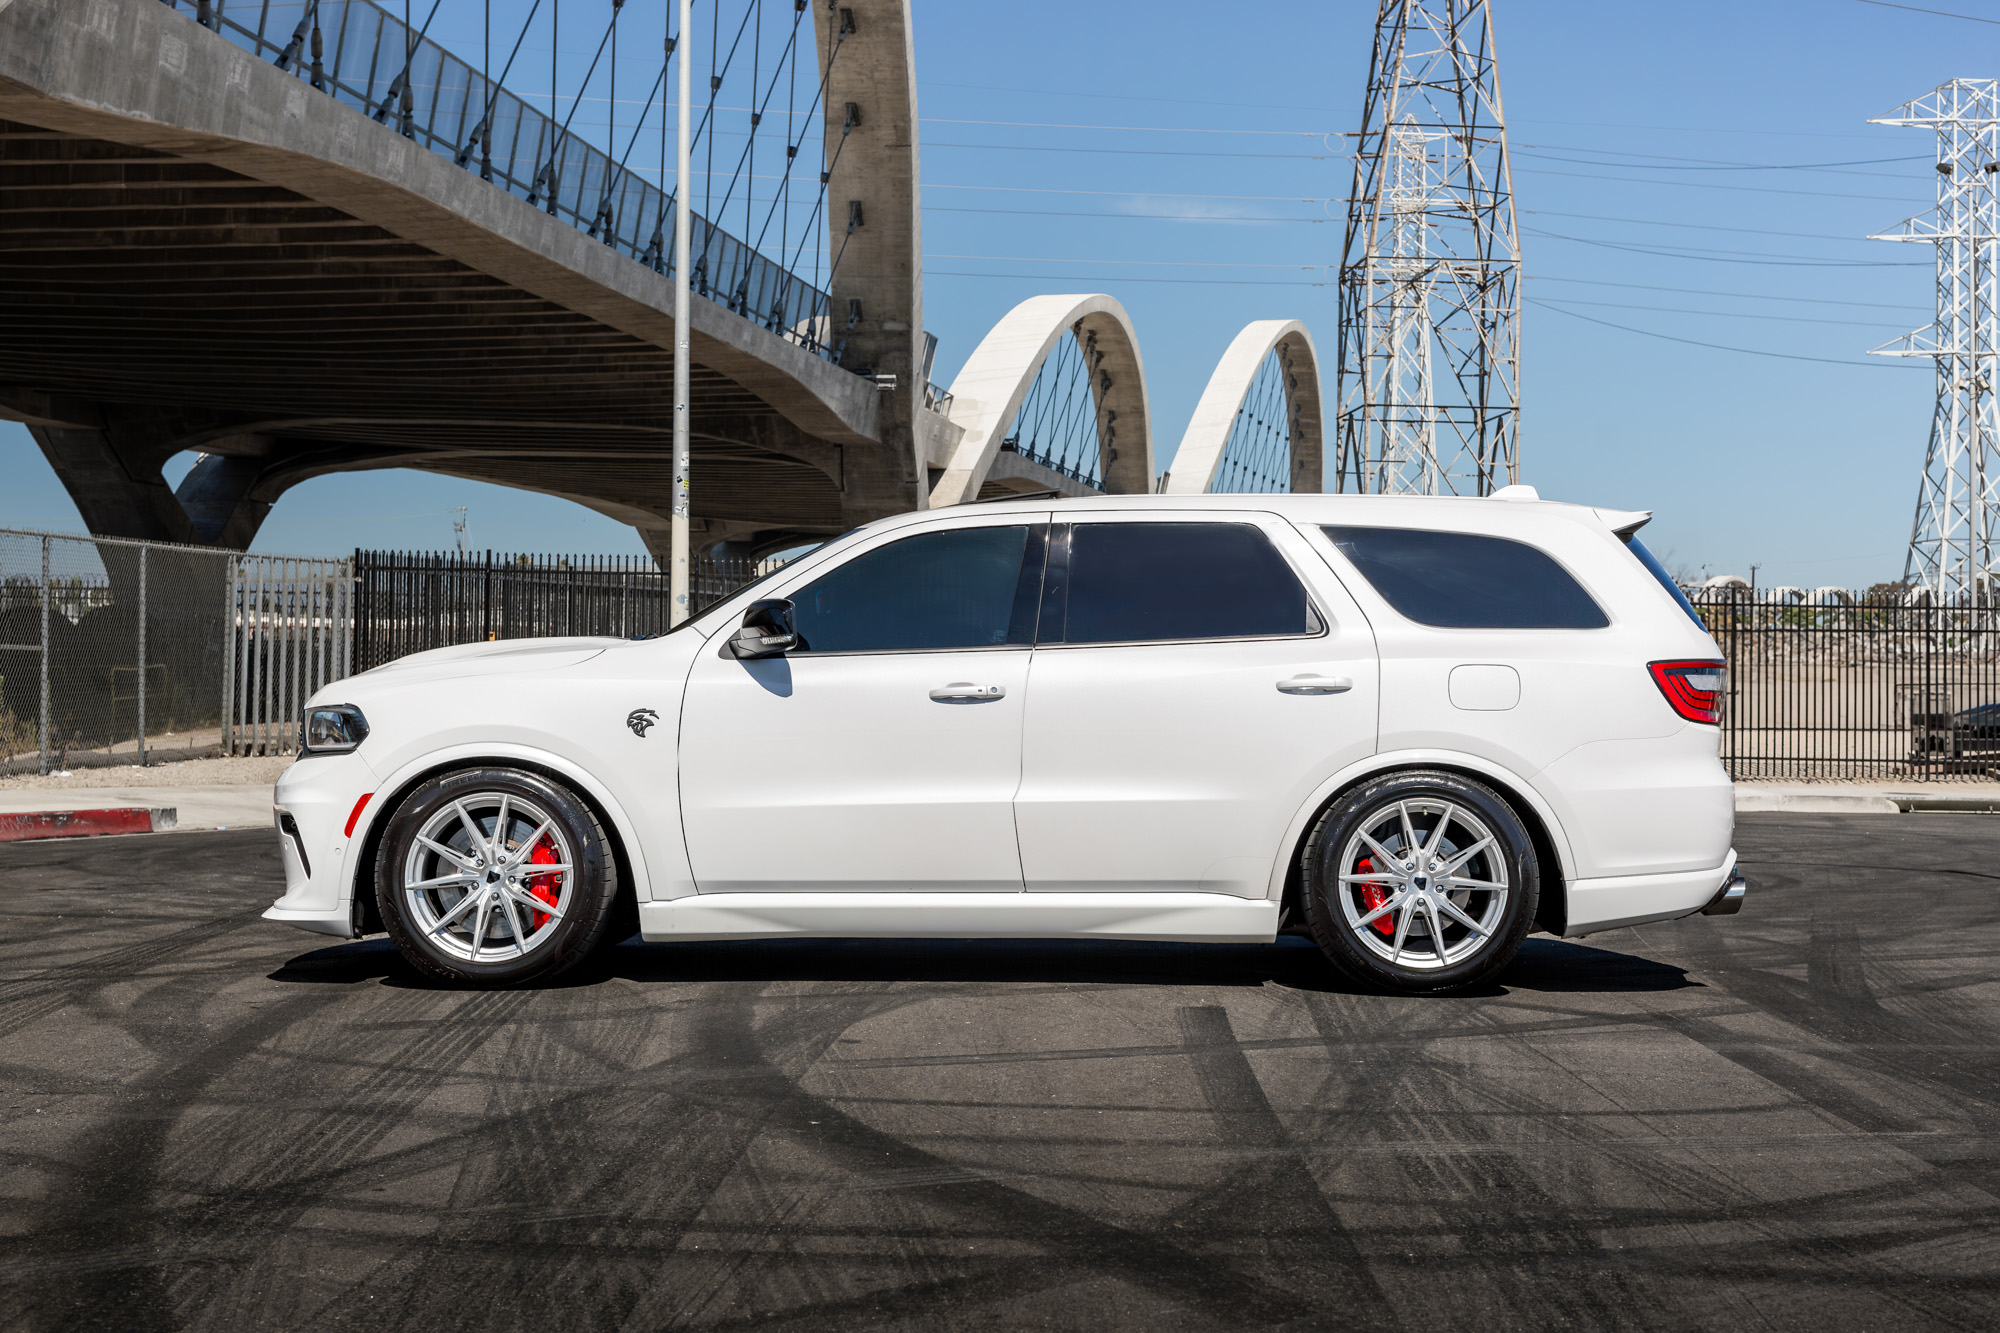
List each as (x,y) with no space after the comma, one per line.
(677,575)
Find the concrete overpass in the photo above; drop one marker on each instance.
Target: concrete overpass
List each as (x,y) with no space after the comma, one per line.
(202,251)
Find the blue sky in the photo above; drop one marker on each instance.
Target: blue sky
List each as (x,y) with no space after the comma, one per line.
(1702,172)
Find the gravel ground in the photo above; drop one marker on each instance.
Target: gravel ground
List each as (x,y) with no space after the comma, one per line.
(188,773)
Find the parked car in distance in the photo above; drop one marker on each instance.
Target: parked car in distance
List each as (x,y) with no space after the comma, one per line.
(1981,722)
(1414,728)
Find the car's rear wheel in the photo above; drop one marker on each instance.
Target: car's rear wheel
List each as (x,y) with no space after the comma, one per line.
(1420,881)
(493,877)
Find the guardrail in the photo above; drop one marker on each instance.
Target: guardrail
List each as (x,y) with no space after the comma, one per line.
(379,67)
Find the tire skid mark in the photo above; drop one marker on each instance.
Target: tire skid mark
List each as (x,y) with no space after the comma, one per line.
(1527,1250)
(1273,1199)
(251,1222)
(527,1211)
(28,1000)
(1692,1195)
(726,1119)
(1071,1243)
(104,1203)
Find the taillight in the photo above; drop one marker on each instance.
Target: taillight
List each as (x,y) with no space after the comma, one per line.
(1694,689)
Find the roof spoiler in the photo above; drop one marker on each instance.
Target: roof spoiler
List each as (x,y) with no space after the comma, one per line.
(1625,522)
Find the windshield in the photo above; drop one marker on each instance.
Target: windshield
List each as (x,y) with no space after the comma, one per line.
(734,593)
(1659,572)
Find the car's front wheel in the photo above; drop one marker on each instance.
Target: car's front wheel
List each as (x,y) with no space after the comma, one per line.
(1420,881)
(493,877)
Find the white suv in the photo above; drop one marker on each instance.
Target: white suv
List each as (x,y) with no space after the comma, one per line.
(1415,728)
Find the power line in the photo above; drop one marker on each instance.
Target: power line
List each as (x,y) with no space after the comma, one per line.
(1160,263)
(1118,97)
(1723,256)
(1072,277)
(1696,226)
(1696,342)
(1705,291)
(1704,163)
(1969,18)
(1696,164)
(1128,129)
(1128,217)
(1711,185)
(1136,152)
(1727,314)
(1130,194)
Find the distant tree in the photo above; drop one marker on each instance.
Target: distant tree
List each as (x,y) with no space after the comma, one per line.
(1680,571)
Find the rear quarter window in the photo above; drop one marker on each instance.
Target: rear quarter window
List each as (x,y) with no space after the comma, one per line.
(1462,580)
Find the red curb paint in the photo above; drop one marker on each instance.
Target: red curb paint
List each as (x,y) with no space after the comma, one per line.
(74,823)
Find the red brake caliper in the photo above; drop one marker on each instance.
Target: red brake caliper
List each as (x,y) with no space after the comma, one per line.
(543,887)
(1372,897)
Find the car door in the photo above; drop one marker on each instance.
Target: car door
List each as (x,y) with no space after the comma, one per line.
(1189,689)
(885,750)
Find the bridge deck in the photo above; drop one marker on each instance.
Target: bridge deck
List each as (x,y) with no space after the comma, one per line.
(273,279)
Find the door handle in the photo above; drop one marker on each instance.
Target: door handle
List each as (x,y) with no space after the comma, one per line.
(1311,684)
(964,691)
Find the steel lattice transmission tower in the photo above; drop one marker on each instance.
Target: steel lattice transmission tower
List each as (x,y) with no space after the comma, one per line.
(1429,393)
(1951,542)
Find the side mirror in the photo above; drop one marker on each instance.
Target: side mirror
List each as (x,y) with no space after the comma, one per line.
(767,630)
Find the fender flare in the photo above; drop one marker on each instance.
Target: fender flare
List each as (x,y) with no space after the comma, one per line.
(459,756)
(1511,784)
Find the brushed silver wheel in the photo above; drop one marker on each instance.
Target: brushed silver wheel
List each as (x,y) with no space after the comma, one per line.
(488,877)
(1423,884)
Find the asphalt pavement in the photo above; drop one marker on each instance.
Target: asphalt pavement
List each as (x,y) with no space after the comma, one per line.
(1784,1119)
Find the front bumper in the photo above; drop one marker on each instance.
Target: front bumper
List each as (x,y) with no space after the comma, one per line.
(312,803)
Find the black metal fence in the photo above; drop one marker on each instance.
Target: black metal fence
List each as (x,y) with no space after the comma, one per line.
(407,602)
(1832,685)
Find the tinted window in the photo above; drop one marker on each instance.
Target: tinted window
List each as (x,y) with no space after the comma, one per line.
(1659,572)
(1457,580)
(954,589)
(1138,581)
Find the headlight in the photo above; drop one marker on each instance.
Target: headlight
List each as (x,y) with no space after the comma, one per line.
(332,729)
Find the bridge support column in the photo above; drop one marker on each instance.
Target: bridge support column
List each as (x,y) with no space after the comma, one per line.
(113,475)
(118,490)
(875,241)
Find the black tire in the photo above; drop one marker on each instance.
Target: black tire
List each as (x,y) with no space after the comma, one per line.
(1402,956)
(561,916)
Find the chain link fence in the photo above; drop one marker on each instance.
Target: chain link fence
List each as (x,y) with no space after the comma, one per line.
(111,651)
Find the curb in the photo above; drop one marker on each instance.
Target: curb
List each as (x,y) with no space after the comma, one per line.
(85,823)
(1814,803)
(1836,802)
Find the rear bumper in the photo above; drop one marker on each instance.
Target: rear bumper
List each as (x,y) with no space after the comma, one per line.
(1634,900)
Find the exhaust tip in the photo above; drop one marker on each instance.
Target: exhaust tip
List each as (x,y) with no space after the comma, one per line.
(1728,900)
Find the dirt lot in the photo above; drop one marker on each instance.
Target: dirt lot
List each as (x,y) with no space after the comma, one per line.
(1784,1119)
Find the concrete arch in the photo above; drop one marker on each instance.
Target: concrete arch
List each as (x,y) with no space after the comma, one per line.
(989,390)
(1200,455)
